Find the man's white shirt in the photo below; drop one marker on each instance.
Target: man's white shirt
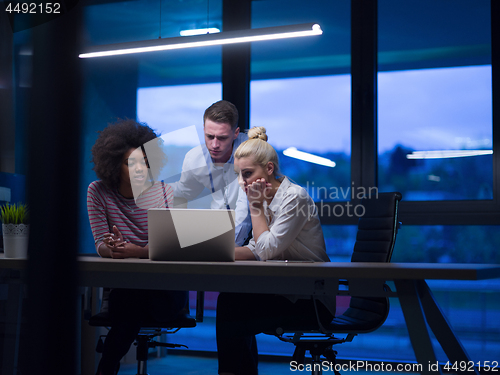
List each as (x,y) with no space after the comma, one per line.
(199,172)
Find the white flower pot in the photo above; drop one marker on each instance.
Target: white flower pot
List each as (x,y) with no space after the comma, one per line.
(15,240)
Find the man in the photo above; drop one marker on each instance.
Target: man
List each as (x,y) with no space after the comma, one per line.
(211,166)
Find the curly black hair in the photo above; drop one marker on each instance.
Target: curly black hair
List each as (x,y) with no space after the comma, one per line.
(118,138)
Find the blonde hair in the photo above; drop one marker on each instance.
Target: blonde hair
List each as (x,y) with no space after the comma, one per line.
(258,148)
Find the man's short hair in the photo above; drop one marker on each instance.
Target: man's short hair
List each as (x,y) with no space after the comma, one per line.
(222,112)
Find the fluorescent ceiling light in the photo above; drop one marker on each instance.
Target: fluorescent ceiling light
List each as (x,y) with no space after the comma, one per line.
(223,38)
(444,154)
(294,153)
(210,30)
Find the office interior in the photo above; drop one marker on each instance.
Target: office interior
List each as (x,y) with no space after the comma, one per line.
(386,84)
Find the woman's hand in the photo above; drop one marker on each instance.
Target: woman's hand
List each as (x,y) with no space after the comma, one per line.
(126,250)
(118,248)
(257,192)
(113,239)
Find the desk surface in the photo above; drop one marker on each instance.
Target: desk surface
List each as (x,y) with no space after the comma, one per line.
(253,276)
(362,270)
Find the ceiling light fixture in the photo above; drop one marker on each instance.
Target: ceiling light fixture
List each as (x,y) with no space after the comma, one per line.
(210,30)
(305,156)
(223,38)
(445,154)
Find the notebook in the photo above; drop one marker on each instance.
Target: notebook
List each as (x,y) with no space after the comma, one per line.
(183,234)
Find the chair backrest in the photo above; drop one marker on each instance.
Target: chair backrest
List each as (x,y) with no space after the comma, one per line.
(375,241)
(377,228)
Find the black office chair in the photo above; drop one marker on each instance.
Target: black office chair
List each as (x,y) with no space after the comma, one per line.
(375,241)
(152,329)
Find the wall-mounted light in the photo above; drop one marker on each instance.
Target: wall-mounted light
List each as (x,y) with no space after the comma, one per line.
(445,154)
(305,156)
(223,38)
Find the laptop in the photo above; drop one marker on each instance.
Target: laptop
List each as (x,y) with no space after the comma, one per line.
(184,234)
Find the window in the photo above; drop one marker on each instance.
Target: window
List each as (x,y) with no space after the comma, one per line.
(435,128)
(435,94)
(435,133)
(177,113)
(170,108)
(310,115)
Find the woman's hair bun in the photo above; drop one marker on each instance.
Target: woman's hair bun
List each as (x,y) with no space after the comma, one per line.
(257,132)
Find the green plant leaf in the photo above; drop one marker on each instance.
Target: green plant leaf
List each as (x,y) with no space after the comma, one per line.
(14,213)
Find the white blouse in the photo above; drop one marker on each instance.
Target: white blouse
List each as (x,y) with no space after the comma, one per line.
(294,228)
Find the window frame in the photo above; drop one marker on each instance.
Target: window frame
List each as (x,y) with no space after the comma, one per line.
(364,154)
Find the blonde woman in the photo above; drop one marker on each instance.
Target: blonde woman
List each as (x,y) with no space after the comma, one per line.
(286,226)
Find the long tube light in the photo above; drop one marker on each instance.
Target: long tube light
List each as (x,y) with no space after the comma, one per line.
(445,154)
(223,38)
(305,156)
(210,30)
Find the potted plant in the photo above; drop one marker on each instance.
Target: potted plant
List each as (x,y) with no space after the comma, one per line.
(15,230)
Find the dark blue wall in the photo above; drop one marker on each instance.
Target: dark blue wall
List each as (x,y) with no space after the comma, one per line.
(17,185)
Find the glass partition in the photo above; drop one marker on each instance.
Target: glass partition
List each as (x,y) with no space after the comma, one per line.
(435,127)
(308,122)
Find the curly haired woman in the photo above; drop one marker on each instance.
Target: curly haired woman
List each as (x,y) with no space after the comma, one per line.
(117,205)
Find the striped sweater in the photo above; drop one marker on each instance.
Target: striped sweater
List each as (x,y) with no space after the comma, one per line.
(107,208)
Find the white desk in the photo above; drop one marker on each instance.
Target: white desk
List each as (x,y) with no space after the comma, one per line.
(420,310)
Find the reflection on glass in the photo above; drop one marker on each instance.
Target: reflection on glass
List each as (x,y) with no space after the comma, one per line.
(174,111)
